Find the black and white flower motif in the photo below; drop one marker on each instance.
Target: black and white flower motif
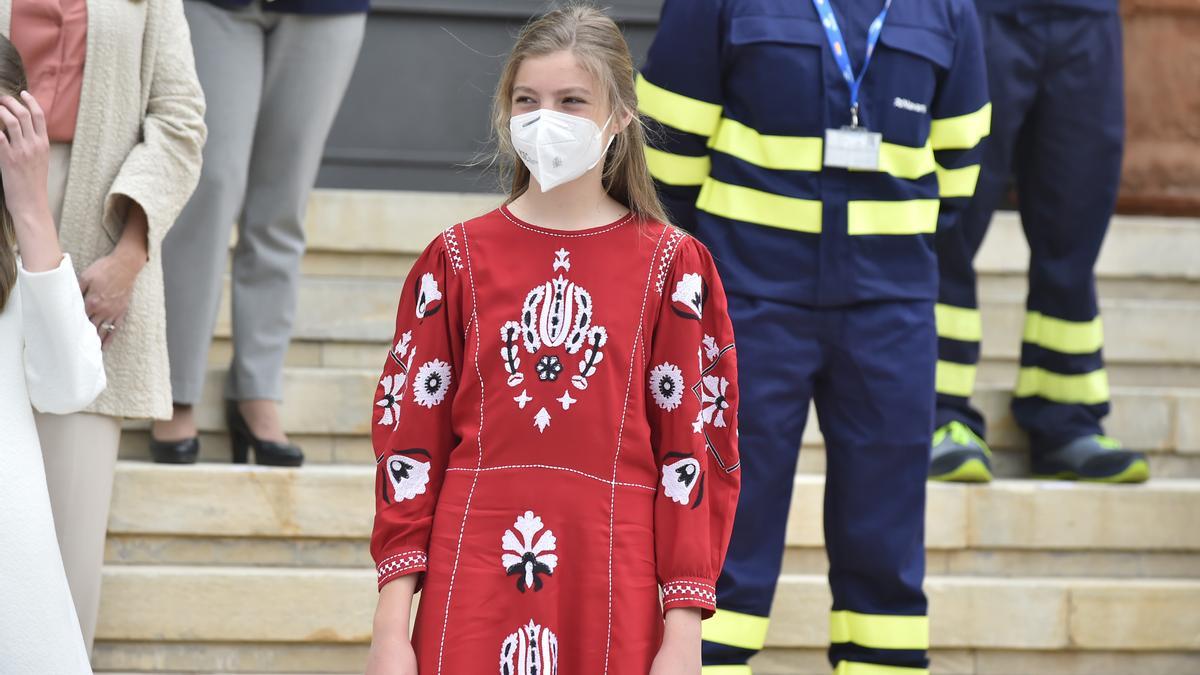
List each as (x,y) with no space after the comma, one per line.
(689,296)
(428,296)
(532,650)
(402,345)
(666,385)
(712,398)
(548,368)
(408,475)
(680,478)
(393,388)
(529,556)
(432,383)
(711,350)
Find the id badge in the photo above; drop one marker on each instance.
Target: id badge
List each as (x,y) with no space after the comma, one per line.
(852,148)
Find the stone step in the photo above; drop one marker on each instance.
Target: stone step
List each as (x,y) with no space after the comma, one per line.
(380,223)
(335,606)
(127,658)
(338,321)
(334,406)
(333,503)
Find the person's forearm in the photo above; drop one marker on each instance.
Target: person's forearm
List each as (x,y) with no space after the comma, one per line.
(134,243)
(682,624)
(37,240)
(394,609)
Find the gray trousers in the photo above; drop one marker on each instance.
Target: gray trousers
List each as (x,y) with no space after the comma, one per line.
(273,83)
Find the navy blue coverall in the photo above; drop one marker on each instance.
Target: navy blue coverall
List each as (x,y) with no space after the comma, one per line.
(831,277)
(1055,73)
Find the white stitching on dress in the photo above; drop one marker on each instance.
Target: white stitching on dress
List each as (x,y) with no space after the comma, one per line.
(451,241)
(668,253)
(399,563)
(475,481)
(507,467)
(525,227)
(694,591)
(612,506)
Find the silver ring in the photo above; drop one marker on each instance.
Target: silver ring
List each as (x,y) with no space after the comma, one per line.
(108,327)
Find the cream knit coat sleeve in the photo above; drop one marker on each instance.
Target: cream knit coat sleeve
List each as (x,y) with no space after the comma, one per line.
(173,130)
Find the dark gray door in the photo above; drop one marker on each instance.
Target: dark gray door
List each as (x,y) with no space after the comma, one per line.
(417,109)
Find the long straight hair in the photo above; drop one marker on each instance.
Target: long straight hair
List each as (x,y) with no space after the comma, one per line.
(12,83)
(598,45)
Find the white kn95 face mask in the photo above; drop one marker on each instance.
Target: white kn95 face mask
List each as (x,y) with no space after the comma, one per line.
(557,147)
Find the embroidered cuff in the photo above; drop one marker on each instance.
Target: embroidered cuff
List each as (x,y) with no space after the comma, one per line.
(690,593)
(409,562)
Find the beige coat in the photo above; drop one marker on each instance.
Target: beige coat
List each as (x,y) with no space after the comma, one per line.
(139,134)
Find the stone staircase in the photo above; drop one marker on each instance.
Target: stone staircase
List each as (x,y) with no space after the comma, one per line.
(216,568)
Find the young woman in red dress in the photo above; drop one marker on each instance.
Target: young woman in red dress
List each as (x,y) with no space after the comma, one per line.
(556,423)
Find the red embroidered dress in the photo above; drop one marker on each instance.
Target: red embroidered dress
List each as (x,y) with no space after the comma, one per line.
(555,430)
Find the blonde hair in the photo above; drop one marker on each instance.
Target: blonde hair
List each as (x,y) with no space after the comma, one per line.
(599,46)
(12,82)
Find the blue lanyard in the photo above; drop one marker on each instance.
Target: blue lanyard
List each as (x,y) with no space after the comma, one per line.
(838,45)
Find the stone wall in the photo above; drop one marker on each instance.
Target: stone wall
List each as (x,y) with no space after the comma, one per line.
(1162,80)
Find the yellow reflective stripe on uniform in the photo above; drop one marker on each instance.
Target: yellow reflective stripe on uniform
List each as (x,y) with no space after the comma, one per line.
(955,379)
(758,207)
(957,182)
(907,162)
(1087,389)
(726,670)
(962,132)
(879,631)
(676,110)
(735,629)
(786,153)
(855,668)
(677,169)
(1064,337)
(958,323)
(914,216)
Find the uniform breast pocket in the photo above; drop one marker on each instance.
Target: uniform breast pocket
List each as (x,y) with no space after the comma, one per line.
(777,67)
(903,79)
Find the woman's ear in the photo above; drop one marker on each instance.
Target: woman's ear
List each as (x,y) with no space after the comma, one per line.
(622,120)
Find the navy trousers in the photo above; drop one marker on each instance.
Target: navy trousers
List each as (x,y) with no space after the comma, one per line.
(870,370)
(1057,126)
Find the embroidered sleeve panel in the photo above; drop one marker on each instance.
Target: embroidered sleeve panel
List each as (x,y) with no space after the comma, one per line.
(698,593)
(395,566)
(691,404)
(412,432)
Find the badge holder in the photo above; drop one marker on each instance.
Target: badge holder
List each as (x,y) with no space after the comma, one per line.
(853,147)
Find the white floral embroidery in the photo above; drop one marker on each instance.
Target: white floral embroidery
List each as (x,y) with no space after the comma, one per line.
(393,388)
(428,296)
(401,348)
(711,350)
(409,476)
(713,399)
(529,556)
(556,317)
(532,650)
(432,383)
(679,478)
(666,384)
(523,399)
(698,425)
(542,420)
(562,259)
(689,292)
(566,400)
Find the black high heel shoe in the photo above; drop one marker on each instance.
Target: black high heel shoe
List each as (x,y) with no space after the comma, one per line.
(185,451)
(267,453)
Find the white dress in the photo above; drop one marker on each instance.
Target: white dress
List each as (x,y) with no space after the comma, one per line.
(50,360)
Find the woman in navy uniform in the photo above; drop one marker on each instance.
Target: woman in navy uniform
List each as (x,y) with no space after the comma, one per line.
(1055,73)
(816,150)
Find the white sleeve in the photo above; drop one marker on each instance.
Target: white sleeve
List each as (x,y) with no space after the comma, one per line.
(64,368)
